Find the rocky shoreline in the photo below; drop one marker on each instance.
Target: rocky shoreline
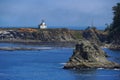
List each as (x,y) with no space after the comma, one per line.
(22,48)
(41,43)
(89,55)
(51,35)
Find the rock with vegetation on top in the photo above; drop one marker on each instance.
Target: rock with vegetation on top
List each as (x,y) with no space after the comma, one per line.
(89,55)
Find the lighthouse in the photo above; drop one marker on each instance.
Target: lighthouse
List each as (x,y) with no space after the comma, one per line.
(42,25)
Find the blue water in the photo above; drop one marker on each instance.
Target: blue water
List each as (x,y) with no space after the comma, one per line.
(47,65)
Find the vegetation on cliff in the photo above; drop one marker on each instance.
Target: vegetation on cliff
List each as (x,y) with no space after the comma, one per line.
(114,28)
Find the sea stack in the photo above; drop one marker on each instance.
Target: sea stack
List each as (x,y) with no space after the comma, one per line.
(89,55)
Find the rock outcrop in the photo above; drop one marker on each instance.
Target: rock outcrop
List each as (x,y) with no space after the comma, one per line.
(23,48)
(43,35)
(51,35)
(115,45)
(94,35)
(89,55)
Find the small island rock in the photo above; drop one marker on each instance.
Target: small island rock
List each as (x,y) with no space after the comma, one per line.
(89,55)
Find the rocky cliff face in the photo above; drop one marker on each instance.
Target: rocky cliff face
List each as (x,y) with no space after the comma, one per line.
(52,35)
(89,55)
(95,35)
(114,38)
(41,35)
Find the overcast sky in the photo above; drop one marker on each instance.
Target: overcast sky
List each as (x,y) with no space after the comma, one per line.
(56,12)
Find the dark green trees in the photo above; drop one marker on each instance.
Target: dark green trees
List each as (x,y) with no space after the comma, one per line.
(115,26)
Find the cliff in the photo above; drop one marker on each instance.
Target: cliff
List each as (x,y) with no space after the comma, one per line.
(96,36)
(41,34)
(114,38)
(51,35)
(89,55)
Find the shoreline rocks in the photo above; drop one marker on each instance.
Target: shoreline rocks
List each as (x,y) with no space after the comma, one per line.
(89,55)
(21,48)
(51,35)
(114,46)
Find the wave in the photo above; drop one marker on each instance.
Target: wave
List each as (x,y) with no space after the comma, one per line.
(100,68)
(43,47)
(116,69)
(62,63)
(110,69)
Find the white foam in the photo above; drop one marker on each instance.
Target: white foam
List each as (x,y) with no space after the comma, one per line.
(112,69)
(63,63)
(100,68)
(44,47)
(116,69)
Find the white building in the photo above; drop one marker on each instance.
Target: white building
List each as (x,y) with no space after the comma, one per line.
(42,25)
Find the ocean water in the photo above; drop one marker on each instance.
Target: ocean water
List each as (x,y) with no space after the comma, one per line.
(48,65)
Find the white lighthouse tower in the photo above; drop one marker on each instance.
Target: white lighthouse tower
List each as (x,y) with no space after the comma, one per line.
(42,25)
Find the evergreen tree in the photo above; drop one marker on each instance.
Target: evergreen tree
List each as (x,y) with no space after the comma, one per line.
(115,28)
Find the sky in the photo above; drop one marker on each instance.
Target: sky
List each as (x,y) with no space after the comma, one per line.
(56,12)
